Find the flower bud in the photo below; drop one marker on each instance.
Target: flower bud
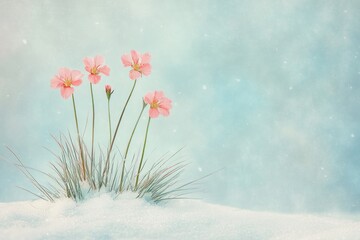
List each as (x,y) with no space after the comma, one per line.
(108,91)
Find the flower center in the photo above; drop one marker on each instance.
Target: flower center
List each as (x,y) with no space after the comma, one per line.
(94,71)
(136,67)
(67,82)
(154,105)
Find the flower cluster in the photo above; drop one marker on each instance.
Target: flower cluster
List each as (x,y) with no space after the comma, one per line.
(67,78)
(100,174)
(80,169)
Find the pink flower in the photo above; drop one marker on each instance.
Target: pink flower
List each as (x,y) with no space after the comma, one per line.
(159,104)
(94,67)
(107,88)
(108,91)
(140,64)
(65,80)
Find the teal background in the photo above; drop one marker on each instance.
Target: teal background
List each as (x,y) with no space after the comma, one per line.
(266,91)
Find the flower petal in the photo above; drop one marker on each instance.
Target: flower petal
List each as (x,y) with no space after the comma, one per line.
(76,75)
(105,70)
(164,111)
(98,60)
(66,92)
(126,60)
(145,58)
(89,63)
(94,79)
(135,56)
(148,98)
(88,69)
(165,104)
(56,82)
(158,95)
(153,113)
(134,74)
(107,88)
(76,82)
(145,69)
(64,73)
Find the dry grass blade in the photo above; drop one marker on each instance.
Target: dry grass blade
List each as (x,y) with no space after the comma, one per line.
(158,183)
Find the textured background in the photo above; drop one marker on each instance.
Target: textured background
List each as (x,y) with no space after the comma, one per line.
(268,91)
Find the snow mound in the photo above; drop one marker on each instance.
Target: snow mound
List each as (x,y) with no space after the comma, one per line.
(101,217)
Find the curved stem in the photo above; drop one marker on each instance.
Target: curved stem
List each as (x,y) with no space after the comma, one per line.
(128,145)
(79,141)
(116,130)
(142,154)
(133,131)
(121,116)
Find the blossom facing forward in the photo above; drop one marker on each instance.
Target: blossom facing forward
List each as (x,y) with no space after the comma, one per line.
(140,64)
(159,104)
(94,66)
(65,80)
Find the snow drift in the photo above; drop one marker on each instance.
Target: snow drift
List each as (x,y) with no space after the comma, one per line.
(102,217)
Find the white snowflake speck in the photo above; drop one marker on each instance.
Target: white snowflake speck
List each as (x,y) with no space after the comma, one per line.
(204,87)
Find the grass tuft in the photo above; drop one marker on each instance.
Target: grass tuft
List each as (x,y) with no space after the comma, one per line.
(158,183)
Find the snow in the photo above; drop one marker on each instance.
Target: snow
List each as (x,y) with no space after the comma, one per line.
(102,217)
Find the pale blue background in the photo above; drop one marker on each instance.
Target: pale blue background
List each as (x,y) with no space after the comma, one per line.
(267,90)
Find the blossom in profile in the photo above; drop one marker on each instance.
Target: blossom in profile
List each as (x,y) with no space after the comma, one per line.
(65,80)
(94,66)
(140,64)
(108,91)
(159,104)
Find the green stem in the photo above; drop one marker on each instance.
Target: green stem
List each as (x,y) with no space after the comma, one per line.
(133,131)
(78,133)
(109,116)
(116,130)
(142,154)
(93,122)
(128,145)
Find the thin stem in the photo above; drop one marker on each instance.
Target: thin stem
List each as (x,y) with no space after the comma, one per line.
(142,154)
(93,122)
(133,131)
(128,145)
(116,130)
(121,116)
(78,133)
(109,116)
